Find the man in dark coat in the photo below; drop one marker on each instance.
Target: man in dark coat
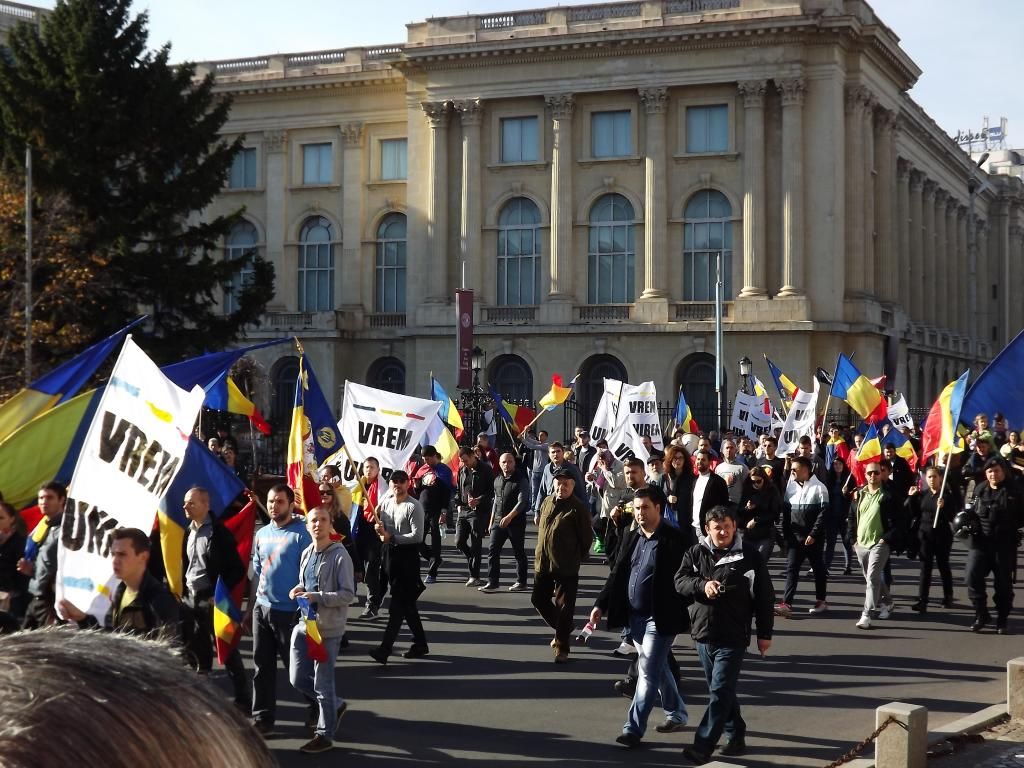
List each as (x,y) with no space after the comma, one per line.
(640,593)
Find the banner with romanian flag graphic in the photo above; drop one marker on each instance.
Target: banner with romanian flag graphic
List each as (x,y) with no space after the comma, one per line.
(313,438)
(132,452)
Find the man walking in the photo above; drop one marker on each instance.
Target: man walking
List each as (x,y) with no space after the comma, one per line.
(728,582)
(732,470)
(475,497)
(931,516)
(276,554)
(708,490)
(874,525)
(556,462)
(640,593)
(564,536)
(804,509)
(433,483)
(508,523)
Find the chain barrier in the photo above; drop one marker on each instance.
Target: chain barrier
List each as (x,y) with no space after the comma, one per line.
(858,748)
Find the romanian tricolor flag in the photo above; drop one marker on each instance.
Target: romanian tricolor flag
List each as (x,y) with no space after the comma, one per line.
(518,416)
(314,643)
(448,413)
(558,393)
(227,622)
(787,389)
(684,417)
(870,450)
(836,448)
(903,446)
(58,386)
(439,436)
(226,396)
(313,438)
(940,428)
(856,389)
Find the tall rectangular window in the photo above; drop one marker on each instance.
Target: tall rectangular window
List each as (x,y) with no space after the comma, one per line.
(394,159)
(520,140)
(611,134)
(316,164)
(243,169)
(707,128)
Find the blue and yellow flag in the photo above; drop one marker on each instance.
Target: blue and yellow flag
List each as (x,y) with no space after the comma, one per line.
(448,413)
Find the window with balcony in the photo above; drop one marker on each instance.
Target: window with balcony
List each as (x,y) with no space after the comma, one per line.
(520,140)
(707,129)
(707,232)
(611,257)
(611,134)
(519,253)
(390,267)
(316,266)
(394,159)
(317,165)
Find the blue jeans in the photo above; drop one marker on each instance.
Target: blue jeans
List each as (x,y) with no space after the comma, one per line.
(721,670)
(315,681)
(653,676)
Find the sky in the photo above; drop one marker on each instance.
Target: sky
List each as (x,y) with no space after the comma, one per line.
(969,50)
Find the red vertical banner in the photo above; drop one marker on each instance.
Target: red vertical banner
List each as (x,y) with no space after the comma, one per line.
(464,338)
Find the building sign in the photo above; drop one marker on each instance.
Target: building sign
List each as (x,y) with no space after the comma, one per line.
(696,6)
(464,337)
(969,137)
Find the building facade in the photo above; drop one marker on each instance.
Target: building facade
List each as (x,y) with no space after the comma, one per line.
(585,169)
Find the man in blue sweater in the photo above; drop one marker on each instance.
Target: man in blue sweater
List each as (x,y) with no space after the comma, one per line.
(276,553)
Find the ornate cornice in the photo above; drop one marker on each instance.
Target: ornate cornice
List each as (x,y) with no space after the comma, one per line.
(793,90)
(655,100)
(561,105)
(753,92)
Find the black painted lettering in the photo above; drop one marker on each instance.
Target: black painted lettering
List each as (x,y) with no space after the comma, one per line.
(364,432)
(111,438)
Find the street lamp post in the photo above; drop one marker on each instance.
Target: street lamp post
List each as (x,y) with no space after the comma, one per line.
(745,369)
(474,399)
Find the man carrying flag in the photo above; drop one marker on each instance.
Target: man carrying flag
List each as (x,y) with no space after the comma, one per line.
(325,589)
(314,437)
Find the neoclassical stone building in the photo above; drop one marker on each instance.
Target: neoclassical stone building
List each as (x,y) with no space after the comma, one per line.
(584,168)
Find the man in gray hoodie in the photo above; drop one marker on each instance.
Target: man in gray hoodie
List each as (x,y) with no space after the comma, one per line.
(325,589)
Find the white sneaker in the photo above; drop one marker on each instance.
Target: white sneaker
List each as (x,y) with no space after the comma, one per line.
(885,611)
(471,582)
(625,649)
(864,623)
(819,607)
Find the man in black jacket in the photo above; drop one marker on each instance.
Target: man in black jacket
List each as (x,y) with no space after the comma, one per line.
(708,490)
(729,585)
(475,496)
(994,546)
(508,523)
(640,593)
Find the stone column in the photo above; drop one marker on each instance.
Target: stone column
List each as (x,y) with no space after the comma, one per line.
(348,274)
(471,115)
(870,176)
(275,182)
(560,286)
(655,102)
(793,92)
(983,288)
(916,246)
(436,269)
(888,277)
(855,101)
(928,254)
(955,267)
(938,296)
(903,233)
(1009,289)
(754,267)
(963,323)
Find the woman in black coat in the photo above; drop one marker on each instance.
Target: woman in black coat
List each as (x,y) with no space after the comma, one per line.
(12,548)
(760,511)
(677,480)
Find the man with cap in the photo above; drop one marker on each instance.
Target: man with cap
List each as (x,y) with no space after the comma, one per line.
(564,536)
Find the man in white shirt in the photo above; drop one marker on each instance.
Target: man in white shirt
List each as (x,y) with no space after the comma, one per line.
(709,490)
(732,470)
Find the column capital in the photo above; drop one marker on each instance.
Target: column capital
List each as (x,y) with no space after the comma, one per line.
(471,111)
(436,112)
(857,97)
(940,196)
(793,90)
(1016,231)
(352,134)
(962,211)
(930,188)
(886,120)
(753,92)
(917,180)
(274,141)
(904,169)
(655,99)
(951,205)
(561,105)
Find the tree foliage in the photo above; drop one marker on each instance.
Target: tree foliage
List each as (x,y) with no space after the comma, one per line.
(128,149)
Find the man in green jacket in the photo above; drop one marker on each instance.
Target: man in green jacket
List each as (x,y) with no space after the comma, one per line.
(565,534)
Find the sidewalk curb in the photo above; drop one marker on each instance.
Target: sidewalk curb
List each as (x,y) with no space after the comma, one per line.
(978,721)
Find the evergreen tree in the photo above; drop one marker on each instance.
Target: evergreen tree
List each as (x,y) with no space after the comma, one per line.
(132,145)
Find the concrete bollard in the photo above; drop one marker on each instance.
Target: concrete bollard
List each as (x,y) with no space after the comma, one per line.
(1015,687)
(899,747)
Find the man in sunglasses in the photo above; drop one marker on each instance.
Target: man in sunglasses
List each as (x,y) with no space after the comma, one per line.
(875,526)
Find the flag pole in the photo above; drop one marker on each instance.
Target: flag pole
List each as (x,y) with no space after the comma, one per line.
(942,489)
(828,400)
(535,420)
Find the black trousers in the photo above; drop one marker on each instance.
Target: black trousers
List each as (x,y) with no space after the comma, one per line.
(935,545)
(432,550)
(469,541)
(798,552)
(516,533)
(40,612)
(369,545)
(271,640)
(554,597)
(197,629)
(999,562)
(401,568)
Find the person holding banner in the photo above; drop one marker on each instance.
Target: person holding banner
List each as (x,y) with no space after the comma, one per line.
(40,561)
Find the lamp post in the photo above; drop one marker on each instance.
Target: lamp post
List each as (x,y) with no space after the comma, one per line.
(745,369)
(474,399)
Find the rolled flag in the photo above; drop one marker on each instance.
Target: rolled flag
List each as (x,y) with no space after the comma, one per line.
(314,643)
(558,393)
(36,538)
(227,622)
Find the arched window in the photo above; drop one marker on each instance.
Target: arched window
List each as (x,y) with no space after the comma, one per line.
(611,270)
(707,232)
(511,378)
(286,373)
(519,253)
(390,293)
(696,375)
(316,266)
(387,373)
(240,244)
(590,385)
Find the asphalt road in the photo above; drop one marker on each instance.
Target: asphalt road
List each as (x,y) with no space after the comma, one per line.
(489,693)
